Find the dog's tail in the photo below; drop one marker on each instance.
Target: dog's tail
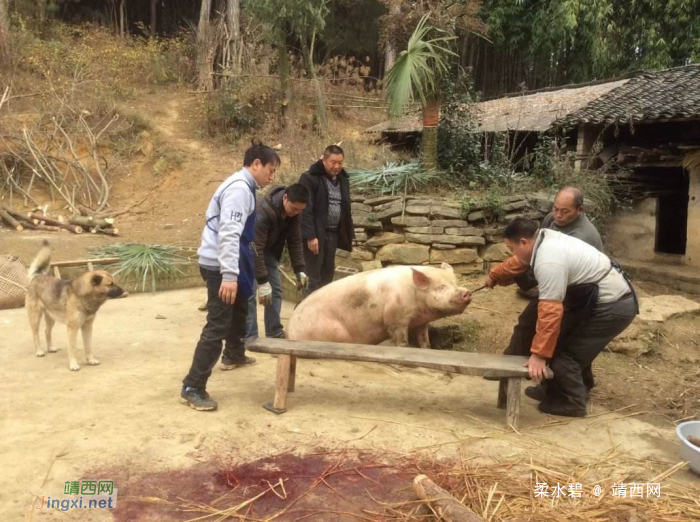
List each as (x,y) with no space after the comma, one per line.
(42,261)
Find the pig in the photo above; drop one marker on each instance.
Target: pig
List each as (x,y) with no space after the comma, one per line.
(371,307)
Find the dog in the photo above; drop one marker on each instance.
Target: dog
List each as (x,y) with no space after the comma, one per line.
(72,302)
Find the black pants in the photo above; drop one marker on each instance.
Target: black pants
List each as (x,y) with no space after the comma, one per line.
(607,321)
(321,267)
(524,333)
(224,323)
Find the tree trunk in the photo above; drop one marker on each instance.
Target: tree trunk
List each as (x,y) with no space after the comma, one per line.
(4,31)
(285,82)
(40,10)
(154,13)
(431,114)
(203,36)
(390,51)
(233,24)
(122,18)
(321,109)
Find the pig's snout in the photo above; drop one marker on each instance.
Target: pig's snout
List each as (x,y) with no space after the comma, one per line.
(466,296)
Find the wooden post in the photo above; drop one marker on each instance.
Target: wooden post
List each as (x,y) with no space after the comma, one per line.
(56,272)
(502,395)
(279,406)
(513,407)
(587,135)
(292,373)
(447,507)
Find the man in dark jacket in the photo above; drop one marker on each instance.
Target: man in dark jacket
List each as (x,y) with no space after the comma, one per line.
(278,222)
(327,222)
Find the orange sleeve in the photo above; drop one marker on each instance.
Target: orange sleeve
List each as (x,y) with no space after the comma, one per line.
(549,316)
(505,273)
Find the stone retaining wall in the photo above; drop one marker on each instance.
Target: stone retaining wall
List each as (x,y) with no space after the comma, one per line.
(421,231)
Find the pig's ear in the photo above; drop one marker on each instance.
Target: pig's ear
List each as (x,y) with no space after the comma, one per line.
(421,280)
(447,266)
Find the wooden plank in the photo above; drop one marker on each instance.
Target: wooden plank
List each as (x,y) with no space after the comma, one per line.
(90,266)
(279,405)
(82,262)
(444,360)
(56,272)
(513,408)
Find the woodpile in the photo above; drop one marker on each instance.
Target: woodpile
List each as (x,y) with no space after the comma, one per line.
(95,223)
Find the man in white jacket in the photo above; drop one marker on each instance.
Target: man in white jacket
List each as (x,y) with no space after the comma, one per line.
(227,265)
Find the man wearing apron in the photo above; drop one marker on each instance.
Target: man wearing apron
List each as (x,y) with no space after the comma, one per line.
(571,275)
(227,265)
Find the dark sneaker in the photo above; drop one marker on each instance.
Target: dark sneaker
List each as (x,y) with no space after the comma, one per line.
(230,364)
(563,409)
(197,399)
(538,393)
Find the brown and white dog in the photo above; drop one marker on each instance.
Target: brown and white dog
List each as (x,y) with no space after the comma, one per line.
(71,302)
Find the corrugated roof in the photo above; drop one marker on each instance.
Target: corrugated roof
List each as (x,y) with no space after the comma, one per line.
(668,94)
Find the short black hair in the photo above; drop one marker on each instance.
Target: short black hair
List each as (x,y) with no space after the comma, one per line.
(258,151)
(576,192)
(521,228)
(297,193)
(332,149)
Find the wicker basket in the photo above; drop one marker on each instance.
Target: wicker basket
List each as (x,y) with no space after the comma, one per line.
(14,279)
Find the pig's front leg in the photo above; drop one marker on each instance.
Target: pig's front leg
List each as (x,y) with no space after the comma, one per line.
(422,337)
(399,334)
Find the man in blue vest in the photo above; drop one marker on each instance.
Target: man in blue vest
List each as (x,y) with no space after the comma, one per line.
(227,265)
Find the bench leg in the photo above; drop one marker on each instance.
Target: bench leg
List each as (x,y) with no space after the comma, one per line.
(292,373)
(502,393)
(513,408)
(284,363)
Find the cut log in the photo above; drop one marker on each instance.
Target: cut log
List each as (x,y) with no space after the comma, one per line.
(106,231)
(445,505)
(7,218)
(84,211)
(48,228)
(90,222)
(56,223)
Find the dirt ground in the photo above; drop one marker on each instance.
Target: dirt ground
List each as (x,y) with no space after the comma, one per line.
(122,419)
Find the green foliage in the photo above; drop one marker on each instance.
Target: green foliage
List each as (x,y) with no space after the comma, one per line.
(239,107)
(564,41)
(142,262)
(393,178)
(226,115)
(459,143)
(417,70)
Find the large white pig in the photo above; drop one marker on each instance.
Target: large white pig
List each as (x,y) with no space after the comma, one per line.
(371,307)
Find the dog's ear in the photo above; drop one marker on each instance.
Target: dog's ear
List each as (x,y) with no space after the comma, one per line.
(96,280)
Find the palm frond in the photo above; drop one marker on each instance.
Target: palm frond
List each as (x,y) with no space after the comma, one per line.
(144,262)
(417,70)
(392,178)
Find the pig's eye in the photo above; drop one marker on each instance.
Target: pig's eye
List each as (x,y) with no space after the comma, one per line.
(441,287)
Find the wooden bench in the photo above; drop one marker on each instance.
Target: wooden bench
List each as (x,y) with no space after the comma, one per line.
(509,367)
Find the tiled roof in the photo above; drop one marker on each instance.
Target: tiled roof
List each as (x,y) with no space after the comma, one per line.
(661,95)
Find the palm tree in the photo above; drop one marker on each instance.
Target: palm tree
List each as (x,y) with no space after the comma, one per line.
(416,74)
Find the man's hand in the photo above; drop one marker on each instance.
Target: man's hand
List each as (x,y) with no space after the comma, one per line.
(489,282)
(265,294)
(302,281)
(228,291)
(537,367)
(313,245)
